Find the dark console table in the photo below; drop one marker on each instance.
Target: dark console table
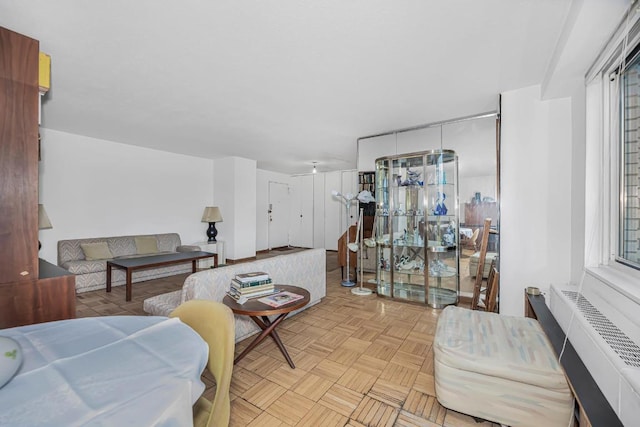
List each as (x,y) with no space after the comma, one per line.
(593,408)
(52,296)
(141,263)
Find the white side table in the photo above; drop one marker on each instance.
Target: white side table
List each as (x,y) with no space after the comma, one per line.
(216,248)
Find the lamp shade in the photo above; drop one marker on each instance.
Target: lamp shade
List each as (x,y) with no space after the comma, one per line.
(212,214)
(43,219)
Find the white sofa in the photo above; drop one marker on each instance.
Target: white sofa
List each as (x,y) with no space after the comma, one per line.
(92,274)
(306,269)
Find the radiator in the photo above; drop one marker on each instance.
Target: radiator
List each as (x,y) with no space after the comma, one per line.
(606,342)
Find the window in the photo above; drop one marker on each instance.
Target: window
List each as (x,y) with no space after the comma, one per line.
(629,167)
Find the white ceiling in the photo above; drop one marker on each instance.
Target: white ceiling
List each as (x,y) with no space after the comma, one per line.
(284,82)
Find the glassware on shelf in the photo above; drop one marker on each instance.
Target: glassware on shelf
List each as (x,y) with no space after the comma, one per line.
(416,228)
(440,208)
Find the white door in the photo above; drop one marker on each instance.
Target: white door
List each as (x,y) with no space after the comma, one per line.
(306,213)
(302,211)
(279,209)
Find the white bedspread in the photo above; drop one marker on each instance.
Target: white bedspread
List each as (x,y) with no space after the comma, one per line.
(105,371)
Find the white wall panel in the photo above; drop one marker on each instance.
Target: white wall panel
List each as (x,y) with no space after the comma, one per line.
(235,187)
(535,232)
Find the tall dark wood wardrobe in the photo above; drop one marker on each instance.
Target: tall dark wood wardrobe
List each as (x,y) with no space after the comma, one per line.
(31,290)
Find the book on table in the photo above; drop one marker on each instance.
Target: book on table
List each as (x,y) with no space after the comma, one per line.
(241,298)
(251,290)
(253,276)
(281,298)
(236,295)
(251,284)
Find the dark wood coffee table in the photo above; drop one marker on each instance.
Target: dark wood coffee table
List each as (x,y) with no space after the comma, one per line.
(259,311)
(151,261)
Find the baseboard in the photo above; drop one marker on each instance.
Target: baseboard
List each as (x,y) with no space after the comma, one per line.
(238,261)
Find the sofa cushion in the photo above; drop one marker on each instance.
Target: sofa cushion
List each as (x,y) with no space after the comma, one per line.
(510,347)
(96,251)
(142,255)
(146,245)
(70,250)
(500,368)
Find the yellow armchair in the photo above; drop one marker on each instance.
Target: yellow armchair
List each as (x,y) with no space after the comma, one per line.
(215,323)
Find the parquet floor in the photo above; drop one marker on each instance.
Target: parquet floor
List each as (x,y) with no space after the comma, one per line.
(360,361)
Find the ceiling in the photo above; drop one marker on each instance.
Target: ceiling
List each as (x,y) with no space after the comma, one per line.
(284,82)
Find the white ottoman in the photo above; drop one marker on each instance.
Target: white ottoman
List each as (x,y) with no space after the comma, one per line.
(499,368)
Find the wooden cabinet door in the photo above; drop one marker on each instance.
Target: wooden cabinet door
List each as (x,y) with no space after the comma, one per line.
(18,157)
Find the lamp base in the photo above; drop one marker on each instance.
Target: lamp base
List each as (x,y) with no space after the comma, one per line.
(348,283)
(361,291)
(212,232)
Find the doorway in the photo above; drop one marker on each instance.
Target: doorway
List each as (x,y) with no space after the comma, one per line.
(279,211)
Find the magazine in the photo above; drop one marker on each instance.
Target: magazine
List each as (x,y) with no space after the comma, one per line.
(280,299)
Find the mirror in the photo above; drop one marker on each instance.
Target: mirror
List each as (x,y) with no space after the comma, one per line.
(475,142)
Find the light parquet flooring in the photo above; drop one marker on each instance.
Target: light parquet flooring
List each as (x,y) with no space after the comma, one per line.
(360,361)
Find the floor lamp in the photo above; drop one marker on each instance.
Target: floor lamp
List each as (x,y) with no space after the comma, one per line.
(365,196)
(358,245)
(371,243)
(348,199)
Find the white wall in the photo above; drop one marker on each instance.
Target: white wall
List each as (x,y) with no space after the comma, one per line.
(536,179)
(333,210)
(262,205)
(578,181)
(235,189)
(94,188)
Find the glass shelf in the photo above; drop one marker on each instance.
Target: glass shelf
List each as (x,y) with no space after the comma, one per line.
(412,189)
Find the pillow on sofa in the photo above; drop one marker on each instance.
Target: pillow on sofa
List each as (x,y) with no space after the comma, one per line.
(95,251)
(146,245)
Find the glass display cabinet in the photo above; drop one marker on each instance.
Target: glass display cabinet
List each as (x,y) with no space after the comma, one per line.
(417,234)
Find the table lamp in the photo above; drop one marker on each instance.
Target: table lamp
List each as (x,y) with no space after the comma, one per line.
(212,215)
(43,221)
